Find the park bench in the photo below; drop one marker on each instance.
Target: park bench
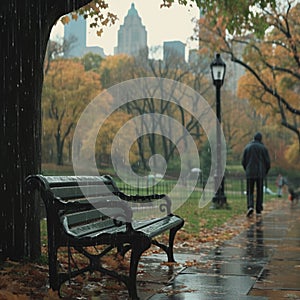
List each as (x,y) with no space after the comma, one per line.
(86,211)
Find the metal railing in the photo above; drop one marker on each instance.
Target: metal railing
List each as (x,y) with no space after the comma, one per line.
(233,186)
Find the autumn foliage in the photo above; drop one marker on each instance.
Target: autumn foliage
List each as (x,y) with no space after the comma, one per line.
(266,44)
(68,88)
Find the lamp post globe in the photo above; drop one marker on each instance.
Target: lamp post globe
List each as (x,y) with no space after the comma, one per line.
(218,70)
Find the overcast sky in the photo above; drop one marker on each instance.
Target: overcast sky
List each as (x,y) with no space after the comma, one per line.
(162,24)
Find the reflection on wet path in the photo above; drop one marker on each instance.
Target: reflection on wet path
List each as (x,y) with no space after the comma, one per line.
(263,262)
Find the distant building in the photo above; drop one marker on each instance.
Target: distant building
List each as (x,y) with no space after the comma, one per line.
(95,50)
(172,48)
(234,71)
(193,56)
(132,35)
(75,36)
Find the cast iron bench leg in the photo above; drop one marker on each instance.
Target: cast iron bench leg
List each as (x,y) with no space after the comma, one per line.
(172,235)
(139,246)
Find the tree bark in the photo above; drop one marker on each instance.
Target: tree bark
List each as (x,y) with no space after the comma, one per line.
(24,33)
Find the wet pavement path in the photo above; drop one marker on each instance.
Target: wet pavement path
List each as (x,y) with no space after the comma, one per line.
(261,263)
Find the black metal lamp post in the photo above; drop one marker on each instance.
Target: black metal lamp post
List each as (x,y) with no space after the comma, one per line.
(218,69)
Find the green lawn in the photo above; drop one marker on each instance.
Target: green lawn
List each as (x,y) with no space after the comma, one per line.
(208,217)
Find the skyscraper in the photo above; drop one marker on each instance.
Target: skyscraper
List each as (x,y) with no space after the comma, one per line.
(75,37)
(132,35)
(172,48)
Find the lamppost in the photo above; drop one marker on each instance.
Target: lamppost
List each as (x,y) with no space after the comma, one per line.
(218,69)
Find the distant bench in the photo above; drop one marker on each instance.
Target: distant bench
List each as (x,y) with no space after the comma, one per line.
(85,211)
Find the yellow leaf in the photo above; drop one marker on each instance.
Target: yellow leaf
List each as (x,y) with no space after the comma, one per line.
(65,20)
(99,32)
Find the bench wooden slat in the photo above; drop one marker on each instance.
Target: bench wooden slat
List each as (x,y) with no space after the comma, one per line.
(92,215)
(83,217)
(54,181)
(74,192)
(88,230)
(159,226)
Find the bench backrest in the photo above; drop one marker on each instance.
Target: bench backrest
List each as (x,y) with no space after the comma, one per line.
(76,187)
(81,203)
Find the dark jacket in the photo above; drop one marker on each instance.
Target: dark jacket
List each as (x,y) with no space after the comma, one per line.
(256,160)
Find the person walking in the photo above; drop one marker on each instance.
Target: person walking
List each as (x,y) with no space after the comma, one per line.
(256,163)
(279,183)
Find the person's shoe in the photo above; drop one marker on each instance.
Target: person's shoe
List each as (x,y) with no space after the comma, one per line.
(258,214)
(250,212)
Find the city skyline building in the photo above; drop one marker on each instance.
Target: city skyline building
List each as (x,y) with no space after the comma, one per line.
(171,48)
(132,34)
(75,33)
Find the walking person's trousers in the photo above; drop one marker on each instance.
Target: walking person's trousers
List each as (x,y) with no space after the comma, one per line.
(259,183)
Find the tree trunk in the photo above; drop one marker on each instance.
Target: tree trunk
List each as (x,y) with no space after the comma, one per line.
(23,42)
(59,149)
(25,30)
